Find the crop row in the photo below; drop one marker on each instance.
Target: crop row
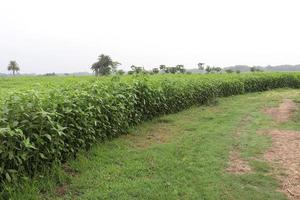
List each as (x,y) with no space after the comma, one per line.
(39,129)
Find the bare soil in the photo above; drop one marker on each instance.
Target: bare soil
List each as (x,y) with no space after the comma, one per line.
(283,112)
(159,134)
(237,165)
(61,190)
(69,170)
(285,155)
(285,151)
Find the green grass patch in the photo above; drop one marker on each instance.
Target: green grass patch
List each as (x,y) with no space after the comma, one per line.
(190,164)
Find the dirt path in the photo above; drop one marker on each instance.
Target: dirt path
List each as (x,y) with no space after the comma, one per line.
(236,164)
(285,151)
(283,112)
(285,154)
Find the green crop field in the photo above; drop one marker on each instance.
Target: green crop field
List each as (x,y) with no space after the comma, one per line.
(48,124)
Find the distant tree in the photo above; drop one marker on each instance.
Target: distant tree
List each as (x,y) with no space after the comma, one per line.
(180,68)
(255,69)
(13,66)
(104,66)
(137,70)
(114,66)
(238,71)
(120,72)
(166,69)
(162,67)
(229,71)
(155,70)
(172,70)
(208,69)
(130,72)
(201,66)
(217,69)
(50,74)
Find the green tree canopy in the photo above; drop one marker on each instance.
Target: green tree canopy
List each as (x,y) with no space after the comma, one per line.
(180,68)
(105,65)
(120,72)
(155,70)
(137,69)
(13,66)
(172,70)
(162,67)
(201,66)
(229,71)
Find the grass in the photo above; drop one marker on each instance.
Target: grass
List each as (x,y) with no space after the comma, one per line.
(294,124)
(179,156)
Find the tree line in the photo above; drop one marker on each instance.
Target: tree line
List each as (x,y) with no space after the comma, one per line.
(106,66)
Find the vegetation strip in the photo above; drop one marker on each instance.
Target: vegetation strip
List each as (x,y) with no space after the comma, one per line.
(39,129)
(189,165)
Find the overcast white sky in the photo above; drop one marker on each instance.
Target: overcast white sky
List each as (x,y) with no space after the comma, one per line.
(68,35)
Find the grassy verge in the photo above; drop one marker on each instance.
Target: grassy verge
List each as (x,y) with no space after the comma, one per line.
(179,156)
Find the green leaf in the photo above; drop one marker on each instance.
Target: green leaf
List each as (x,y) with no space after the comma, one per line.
(7,176)
(48,136)
(42,156)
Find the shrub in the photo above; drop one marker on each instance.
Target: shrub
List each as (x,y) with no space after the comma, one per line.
(38,129)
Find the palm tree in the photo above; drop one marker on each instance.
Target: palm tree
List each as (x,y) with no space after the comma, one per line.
(13,66)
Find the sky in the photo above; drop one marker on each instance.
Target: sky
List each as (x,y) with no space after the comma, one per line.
(68,35)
